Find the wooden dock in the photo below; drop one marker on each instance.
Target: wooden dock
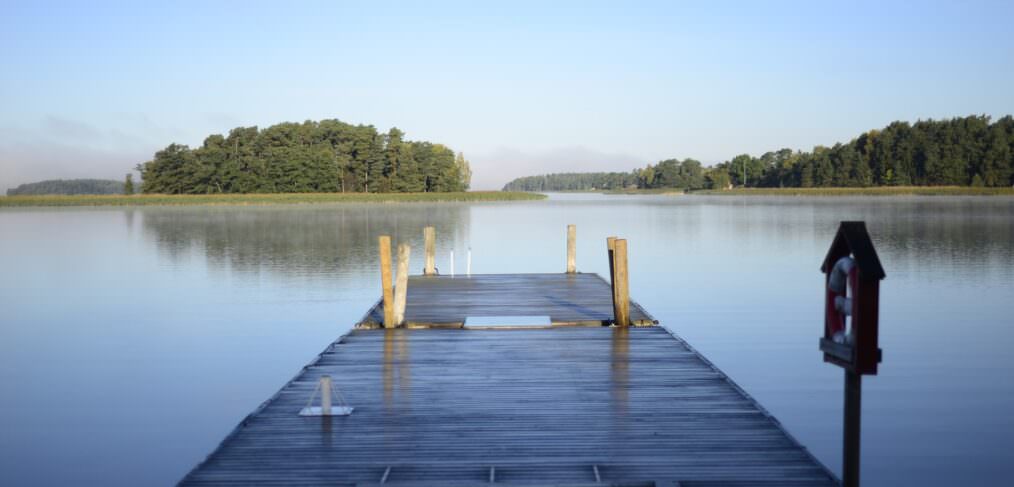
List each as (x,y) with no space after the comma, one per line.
(568,299)
(439,404)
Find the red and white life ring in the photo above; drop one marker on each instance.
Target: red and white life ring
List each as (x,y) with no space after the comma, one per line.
(840,305)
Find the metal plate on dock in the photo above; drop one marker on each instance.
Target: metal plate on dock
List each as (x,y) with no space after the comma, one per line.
(506,321)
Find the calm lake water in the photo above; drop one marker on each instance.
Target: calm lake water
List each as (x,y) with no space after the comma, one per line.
(133,340)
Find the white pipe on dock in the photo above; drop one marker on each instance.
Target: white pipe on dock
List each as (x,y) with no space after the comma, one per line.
(452,263)
(325,395)
(468,265)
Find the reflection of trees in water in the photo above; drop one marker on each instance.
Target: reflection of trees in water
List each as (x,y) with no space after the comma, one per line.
(300,240)
(971,234)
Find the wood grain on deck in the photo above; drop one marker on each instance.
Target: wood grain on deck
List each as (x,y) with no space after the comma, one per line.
(565,298)
(550,406)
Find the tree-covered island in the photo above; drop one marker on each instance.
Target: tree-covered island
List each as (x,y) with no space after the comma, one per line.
(328,156)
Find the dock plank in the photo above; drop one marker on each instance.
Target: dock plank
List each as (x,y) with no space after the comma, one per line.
(547,406)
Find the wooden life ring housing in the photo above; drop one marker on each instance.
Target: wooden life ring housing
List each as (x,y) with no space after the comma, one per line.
(840,304)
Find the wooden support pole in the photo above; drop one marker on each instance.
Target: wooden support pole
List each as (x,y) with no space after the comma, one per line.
(571,249)
(610,247)
(325,395)
(853,410)
(401,284)
(622,286)
(385,280)
(430,235)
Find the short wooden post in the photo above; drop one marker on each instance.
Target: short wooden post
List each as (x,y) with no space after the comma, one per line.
(468,263)
(401,284)
(622,285)
(571,249)
(430,235)
(325,395)
(385,280)
(610,247)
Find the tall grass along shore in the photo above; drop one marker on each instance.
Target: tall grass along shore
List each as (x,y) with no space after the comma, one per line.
(262,199)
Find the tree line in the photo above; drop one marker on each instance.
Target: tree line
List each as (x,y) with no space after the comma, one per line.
(68,186)
(325,156)
(963,151)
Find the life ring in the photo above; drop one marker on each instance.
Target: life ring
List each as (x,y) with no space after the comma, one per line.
(843,278)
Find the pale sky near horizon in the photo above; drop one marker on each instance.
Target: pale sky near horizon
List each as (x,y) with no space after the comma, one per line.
(91,89)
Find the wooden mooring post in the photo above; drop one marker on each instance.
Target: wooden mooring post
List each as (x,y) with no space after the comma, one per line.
(401,284)
(621,287)
(571,249)
(610,247)
(430,237)
(385,280)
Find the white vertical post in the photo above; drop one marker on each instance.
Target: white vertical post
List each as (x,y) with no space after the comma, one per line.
(571,249)
(468,263)
(430,237)
(325,395)
(452,263)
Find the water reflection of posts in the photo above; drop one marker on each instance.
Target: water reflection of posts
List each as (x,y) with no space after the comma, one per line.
(388,367)
(401,284)
(385,280)
(430,237)
(395,350)
(571,249)
(620,368)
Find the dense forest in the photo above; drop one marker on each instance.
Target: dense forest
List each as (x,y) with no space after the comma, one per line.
(968,151)
(69,186)
(326,156)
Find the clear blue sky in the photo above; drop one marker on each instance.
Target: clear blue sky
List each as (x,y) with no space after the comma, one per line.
(520,87)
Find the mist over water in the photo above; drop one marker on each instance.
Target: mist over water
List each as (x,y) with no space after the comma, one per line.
(133,340)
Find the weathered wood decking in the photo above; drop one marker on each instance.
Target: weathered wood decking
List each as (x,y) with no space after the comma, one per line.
(445,301)
(563,406)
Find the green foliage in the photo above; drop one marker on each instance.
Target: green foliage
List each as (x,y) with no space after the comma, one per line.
(128,184)
(68,186)
(311,157)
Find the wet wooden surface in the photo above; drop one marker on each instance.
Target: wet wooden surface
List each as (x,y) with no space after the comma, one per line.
(552,406)
(565,298)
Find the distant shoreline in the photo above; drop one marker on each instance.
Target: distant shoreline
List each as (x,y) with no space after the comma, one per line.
(260,199)
(868,191)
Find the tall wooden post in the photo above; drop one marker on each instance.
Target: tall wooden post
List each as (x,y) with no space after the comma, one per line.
(610,247)
(430,235)
(385,280)
(622,286)
(325,395)
(853,413)
(401,284)
(571,249)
